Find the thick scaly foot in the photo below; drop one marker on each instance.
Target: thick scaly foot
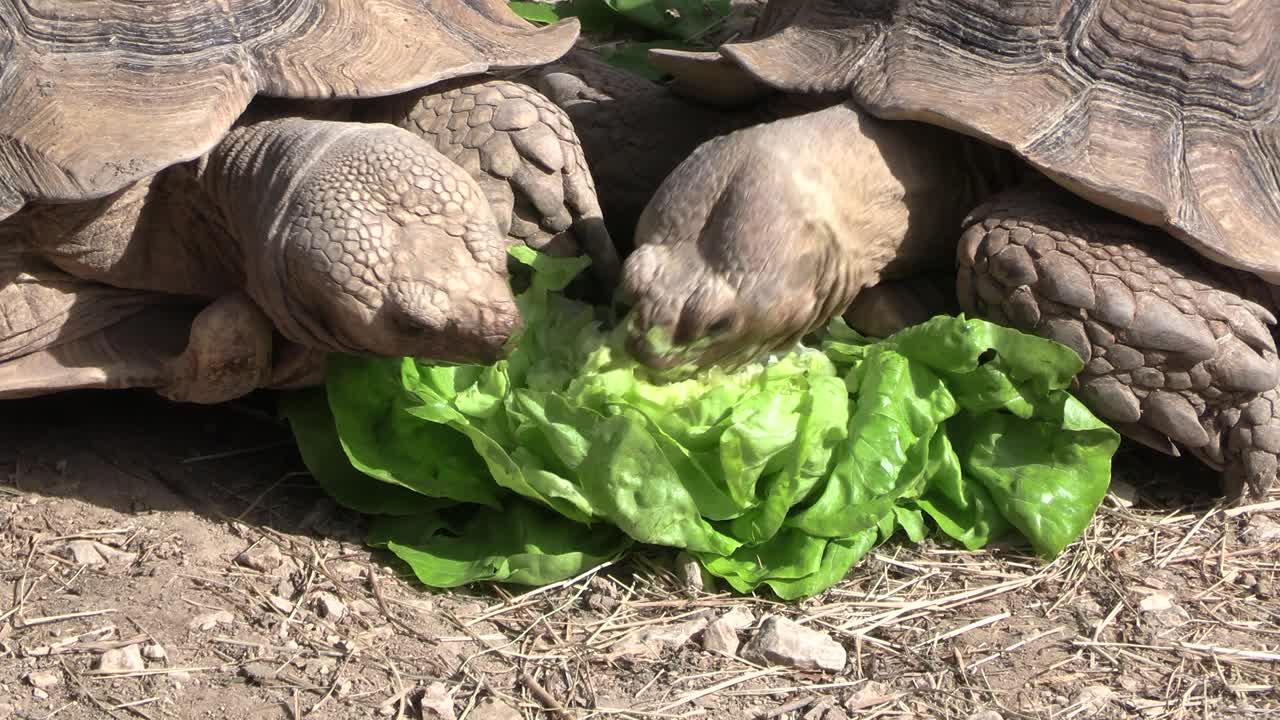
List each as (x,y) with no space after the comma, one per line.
(228,354)
(1176,352)
(183,352)
(523,151)
(634,131)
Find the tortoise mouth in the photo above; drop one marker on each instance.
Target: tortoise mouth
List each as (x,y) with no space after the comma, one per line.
(726,343)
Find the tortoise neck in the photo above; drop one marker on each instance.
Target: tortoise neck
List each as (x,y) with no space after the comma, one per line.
(899,189)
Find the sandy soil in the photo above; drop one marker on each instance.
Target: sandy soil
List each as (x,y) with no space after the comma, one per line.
(125,521)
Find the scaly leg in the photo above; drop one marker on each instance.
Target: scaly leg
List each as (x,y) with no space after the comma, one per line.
(761,236)
(187,353)
(1176,350)
(522,151)
(634,132)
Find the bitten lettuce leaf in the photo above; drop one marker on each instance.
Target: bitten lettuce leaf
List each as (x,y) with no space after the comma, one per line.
(783,473)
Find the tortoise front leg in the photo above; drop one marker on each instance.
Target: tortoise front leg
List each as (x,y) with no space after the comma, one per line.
(148,341)
(523,152)
(1177,352)
(228,354)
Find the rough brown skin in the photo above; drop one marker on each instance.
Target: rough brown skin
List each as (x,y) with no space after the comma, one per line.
(157,230)
(309,236)
(1161,115)
(1176,354)
(763,235)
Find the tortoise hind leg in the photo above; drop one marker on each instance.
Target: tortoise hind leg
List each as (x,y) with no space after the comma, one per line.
(1177,351)
(184,352)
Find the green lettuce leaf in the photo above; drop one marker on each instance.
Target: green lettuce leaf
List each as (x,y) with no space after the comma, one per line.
(312,423)
(521,544)
(780,474)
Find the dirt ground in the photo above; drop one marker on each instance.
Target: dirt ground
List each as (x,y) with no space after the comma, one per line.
(125,521)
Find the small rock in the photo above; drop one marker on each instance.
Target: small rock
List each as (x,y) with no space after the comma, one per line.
(343,688)
(602,585)
(362,607)
(347,571)
(722,634)
(211,620)
(1263,529)
(154,651)
(263,557)
(651,641)
(1158,607)
(179,677)
(89,552)
(122,660)
(780,641)
(1155,601)
(490,709)
(690,573)
(258,673)
(43,679)
(869,694)
(985,715)
(329,606)
(601,603)
(284,605)
(437,703)
(720,638)
(1093,699)
(39,694)
(286,589)
(368,638)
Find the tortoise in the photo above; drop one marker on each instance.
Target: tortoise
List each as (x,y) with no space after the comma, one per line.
(1104,173)
(205,199)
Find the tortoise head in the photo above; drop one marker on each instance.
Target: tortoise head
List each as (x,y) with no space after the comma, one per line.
(419,293)
(385,248)
(738,255)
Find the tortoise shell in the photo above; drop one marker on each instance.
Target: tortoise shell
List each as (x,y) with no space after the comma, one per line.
(101,93)
(1167,111)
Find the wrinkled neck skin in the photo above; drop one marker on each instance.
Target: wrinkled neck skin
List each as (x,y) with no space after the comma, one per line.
(159,234)
(249,176)
(895,192)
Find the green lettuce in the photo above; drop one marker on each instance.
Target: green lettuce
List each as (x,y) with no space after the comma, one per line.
(783,473)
